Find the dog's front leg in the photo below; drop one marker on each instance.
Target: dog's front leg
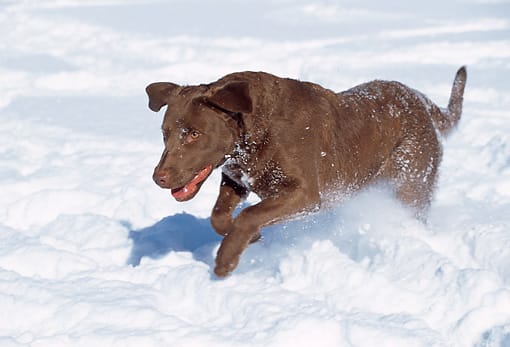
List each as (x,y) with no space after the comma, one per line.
(230,196)
(247,225)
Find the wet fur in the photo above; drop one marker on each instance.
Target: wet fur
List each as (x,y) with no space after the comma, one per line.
(299,146)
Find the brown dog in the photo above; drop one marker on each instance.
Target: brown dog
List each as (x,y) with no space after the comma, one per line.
(297,146)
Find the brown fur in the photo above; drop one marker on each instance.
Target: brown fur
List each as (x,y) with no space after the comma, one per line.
(297,146)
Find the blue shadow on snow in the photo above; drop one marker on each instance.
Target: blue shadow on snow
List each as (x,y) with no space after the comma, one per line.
(180,232)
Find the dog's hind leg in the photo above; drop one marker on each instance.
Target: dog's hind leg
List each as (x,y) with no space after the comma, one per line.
(412,169)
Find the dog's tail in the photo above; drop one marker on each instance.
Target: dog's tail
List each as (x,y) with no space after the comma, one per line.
(448,118)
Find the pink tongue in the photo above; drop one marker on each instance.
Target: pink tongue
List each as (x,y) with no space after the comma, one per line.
(191,187)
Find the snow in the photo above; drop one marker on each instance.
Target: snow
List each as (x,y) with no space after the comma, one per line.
(93,253)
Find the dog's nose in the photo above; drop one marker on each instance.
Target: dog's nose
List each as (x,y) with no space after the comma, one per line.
(161,178)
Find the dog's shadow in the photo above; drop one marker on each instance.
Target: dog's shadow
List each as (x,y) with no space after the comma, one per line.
(180,232)
(350,228)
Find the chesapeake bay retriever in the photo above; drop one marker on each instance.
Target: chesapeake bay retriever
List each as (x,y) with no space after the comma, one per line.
(297,146)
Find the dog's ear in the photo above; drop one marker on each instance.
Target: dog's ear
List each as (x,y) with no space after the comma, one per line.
(233,97)
(158,94)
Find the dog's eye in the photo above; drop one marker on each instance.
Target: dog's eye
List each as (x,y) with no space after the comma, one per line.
(192,136)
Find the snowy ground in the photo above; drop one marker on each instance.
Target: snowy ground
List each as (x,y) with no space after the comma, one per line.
(92,253)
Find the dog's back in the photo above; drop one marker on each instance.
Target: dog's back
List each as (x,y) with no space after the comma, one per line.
(386,130)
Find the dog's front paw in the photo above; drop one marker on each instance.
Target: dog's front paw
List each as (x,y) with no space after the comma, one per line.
(225,265)
(228,256)
(223,270)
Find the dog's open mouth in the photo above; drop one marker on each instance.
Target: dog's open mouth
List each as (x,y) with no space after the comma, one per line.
(189,190)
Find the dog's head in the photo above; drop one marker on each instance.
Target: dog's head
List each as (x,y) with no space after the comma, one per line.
(201,127)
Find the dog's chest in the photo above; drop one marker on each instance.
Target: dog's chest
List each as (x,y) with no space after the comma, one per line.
(264,180)
(236,173)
